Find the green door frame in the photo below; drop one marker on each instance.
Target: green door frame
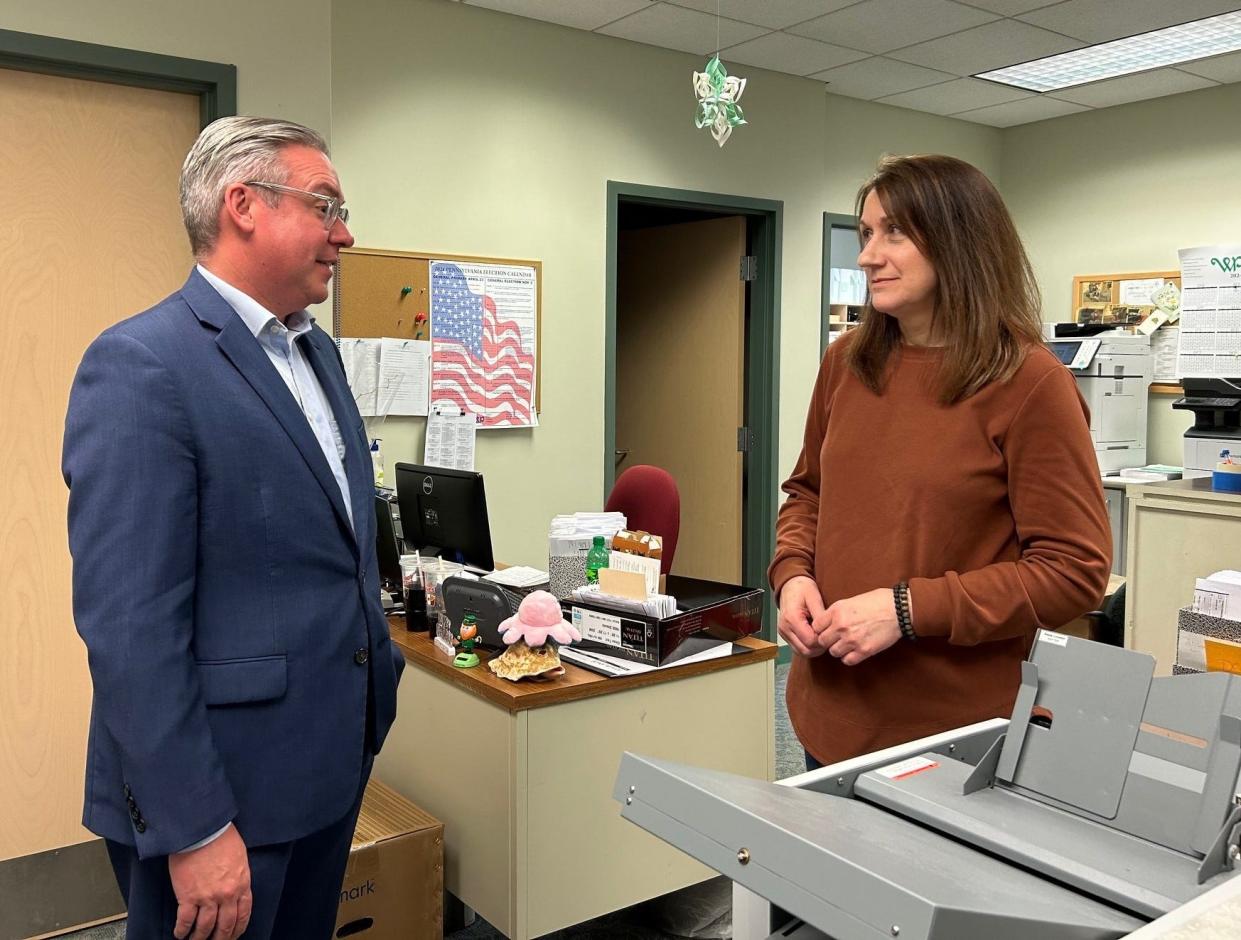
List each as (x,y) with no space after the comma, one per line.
(762,405)
(831,220)
(73,884)
(214,83)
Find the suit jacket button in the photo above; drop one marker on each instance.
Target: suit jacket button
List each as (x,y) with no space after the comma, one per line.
(132,805)
(361,656)
(134,814)
(140,825)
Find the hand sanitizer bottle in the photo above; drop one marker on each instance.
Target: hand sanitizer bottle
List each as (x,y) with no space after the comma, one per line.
(377,461)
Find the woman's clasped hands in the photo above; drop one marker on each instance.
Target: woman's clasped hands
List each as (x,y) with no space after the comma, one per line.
(852,629)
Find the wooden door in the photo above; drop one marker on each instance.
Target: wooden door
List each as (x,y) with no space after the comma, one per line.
(88,181)
(680,386)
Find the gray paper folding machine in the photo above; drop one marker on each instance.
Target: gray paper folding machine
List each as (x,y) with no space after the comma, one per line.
(1105,802)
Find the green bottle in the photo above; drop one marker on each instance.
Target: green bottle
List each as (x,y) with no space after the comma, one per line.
(596,558)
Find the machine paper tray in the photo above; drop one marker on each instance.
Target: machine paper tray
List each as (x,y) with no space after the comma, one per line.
(852,870)
(1115,866)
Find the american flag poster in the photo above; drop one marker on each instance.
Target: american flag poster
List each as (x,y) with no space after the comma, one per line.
(483,341)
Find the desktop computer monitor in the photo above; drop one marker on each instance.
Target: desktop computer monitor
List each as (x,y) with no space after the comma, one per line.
(444,512)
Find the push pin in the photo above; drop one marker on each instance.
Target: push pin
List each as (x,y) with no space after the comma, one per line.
(420,318)
(406,290)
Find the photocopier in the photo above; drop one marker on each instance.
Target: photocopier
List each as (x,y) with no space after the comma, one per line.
(1106,802)
(1216,405)
(1114,370)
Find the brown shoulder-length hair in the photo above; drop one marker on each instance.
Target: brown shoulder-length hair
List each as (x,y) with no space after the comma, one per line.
(987,304)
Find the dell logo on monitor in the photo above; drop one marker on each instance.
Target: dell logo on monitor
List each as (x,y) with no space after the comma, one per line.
(428,484)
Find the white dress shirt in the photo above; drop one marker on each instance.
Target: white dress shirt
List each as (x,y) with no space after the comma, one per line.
(279,341)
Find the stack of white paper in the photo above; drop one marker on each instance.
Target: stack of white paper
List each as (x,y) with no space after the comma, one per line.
(1219,595)
(616,666)
(655,605)
(518,576)
(587,523)
(1152,473)
(569,533)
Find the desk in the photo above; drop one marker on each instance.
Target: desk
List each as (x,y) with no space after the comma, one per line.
(1179,531)
(521,774)
(1117,492)
(1114,492)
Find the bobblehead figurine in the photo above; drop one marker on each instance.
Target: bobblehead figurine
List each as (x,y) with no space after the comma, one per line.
(466,658)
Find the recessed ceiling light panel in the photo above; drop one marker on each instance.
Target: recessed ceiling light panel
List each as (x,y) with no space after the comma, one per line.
(1172,45)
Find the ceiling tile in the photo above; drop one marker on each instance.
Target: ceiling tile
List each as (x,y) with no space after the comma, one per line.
(582,14)
(882,25)
(877,76)
(784,52)
(1025,111)
(990,46)
(964,94)
(1010,7)
(1221,68)
(1101,20)
(678,28)
(1153,84)
(775,14)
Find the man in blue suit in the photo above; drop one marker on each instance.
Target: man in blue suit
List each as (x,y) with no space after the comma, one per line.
(225,582)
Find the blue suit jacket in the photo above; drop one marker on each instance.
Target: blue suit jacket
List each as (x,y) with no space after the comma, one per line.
(231,615)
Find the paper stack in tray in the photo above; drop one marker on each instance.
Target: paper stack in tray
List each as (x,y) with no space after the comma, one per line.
(1209,632)
(607,594)
(1152,473)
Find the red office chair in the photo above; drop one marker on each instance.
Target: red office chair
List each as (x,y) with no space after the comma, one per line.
(649,499)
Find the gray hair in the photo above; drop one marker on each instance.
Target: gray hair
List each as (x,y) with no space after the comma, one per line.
(233,150)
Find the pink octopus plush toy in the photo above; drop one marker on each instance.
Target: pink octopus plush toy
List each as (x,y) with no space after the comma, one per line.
(537,618)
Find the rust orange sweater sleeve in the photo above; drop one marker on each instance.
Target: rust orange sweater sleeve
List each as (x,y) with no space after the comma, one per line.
(1055,494)
(798,520)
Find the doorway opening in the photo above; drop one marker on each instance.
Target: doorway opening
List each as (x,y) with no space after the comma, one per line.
(691,363)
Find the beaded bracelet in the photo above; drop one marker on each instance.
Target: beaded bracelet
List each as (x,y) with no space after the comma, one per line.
(901,595)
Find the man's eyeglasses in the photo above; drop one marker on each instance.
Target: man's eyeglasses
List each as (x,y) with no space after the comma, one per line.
(329,207)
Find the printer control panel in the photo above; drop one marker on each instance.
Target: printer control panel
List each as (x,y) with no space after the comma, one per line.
(1077,354)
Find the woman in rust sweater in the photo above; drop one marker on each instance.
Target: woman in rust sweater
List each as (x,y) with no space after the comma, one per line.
(947,501)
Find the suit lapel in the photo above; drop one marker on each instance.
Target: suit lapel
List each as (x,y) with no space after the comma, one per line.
(316,348)
(238,344)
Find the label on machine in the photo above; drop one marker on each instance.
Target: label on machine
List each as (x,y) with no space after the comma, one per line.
(907,768)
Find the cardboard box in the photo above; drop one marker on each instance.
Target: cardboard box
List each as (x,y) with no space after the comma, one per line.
(394,882)
(708,614)
(1206,644)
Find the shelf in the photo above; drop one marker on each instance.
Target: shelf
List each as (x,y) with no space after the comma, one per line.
(1166,388)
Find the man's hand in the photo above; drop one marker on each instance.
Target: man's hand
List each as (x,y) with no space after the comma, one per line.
(856,628)
(800,605)
(212,885)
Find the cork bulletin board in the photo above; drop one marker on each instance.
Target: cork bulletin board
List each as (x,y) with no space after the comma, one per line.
(382,292)
(1117,299)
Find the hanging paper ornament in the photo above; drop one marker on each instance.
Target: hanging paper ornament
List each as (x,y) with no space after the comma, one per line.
(718,93)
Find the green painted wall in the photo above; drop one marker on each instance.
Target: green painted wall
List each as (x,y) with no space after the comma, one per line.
(464,130)
(1121,190)
(282,48)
